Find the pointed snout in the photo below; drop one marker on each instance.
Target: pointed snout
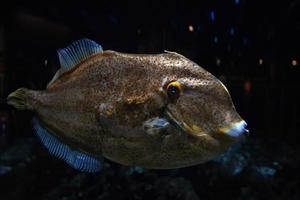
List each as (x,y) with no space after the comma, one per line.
(235,130)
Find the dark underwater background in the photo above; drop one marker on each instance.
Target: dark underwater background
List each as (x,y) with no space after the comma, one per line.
(252,46)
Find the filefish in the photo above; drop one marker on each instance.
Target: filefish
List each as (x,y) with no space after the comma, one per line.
(159,111)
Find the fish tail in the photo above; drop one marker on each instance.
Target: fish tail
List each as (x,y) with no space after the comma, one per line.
(21,99)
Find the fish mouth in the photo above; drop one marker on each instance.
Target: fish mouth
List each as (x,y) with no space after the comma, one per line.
(179,124)
(235,129)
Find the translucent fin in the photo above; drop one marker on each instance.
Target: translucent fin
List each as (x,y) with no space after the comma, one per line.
(56,76)
(77,52)
(174,53)
(18,99)
(72,55)
(74,158)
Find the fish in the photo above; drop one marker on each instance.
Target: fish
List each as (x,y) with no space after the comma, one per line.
(156,111)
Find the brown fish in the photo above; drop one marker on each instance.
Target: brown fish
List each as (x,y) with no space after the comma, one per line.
(155,111)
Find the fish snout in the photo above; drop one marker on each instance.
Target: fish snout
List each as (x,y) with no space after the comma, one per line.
(236,129)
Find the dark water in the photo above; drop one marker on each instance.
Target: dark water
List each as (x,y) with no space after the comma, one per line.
(252,46)
(260,168)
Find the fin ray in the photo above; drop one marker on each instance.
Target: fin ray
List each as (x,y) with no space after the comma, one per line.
(18,99)
(74,54)
(77,52)
(76,159)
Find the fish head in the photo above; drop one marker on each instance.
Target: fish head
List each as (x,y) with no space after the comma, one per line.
(184,116)
(203,121)
(203,107)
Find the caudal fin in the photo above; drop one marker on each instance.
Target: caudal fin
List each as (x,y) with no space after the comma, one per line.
(19,99)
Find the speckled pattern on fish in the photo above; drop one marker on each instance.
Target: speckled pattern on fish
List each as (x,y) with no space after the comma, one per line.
(155,111)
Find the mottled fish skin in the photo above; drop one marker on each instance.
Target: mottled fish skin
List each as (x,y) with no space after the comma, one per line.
(100,105)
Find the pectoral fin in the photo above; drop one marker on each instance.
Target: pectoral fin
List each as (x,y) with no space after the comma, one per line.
(156,126)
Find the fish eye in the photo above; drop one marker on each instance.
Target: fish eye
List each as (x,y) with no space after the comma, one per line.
(173,90)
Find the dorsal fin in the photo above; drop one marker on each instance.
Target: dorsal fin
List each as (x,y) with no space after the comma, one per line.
(75,158)
(174,53)
(75,53)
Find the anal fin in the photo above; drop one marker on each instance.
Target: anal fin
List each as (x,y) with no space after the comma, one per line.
(76,159)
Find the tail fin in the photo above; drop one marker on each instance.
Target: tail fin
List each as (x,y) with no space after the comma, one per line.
(19,99)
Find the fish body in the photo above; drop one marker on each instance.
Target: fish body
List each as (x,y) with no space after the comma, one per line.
(156,111)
